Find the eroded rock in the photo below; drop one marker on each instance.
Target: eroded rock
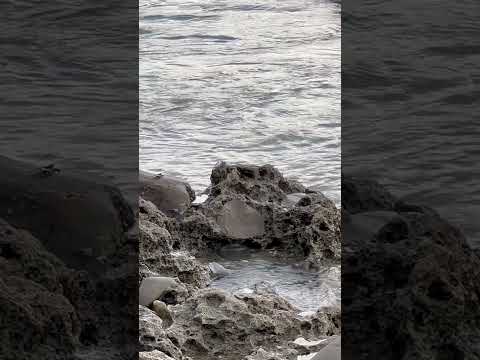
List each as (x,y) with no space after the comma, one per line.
(257,207)
(152,335)
(160,252)
(212,323)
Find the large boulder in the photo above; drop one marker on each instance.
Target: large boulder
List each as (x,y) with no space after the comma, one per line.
(169,194)
(257,207)
(410,286)
(75,218)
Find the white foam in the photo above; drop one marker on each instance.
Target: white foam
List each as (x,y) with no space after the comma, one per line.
(303,342)
(200,199)
(306,357)
(307,313)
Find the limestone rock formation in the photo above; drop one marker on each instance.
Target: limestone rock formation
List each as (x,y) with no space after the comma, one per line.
(253,205)
(152,336)
(212,323)
(161,253)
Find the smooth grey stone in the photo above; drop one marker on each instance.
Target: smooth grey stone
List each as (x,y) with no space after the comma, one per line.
(218,270)
(65,211)
(169,194)
(333,351)
(153,288)
(241,221)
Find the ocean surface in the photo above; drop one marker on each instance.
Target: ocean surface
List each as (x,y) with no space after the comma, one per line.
(250,269)
(245,81)
(241,81)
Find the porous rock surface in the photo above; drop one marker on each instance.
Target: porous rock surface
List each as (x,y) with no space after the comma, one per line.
(250,205)
(160,252)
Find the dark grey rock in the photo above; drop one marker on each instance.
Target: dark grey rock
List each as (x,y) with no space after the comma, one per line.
(55,209)
(169,194)
(31,297)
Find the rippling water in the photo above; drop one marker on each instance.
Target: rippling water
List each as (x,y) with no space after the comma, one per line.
(308,291)
(241,81)
(423,72)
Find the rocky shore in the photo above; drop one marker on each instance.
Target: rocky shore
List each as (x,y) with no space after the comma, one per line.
(410,286)
(181,316)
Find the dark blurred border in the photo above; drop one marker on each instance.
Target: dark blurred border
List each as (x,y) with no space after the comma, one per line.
(68,189)
(410,83)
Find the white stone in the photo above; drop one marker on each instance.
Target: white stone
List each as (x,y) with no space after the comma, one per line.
(303,342)
(153,287)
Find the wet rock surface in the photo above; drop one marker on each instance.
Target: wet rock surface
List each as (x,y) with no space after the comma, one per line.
(410,286)
(169,194)
(249,206)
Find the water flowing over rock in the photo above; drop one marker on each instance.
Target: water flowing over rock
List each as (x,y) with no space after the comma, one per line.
(420,275)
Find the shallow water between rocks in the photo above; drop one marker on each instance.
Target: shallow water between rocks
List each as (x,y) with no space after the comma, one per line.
(307,290)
